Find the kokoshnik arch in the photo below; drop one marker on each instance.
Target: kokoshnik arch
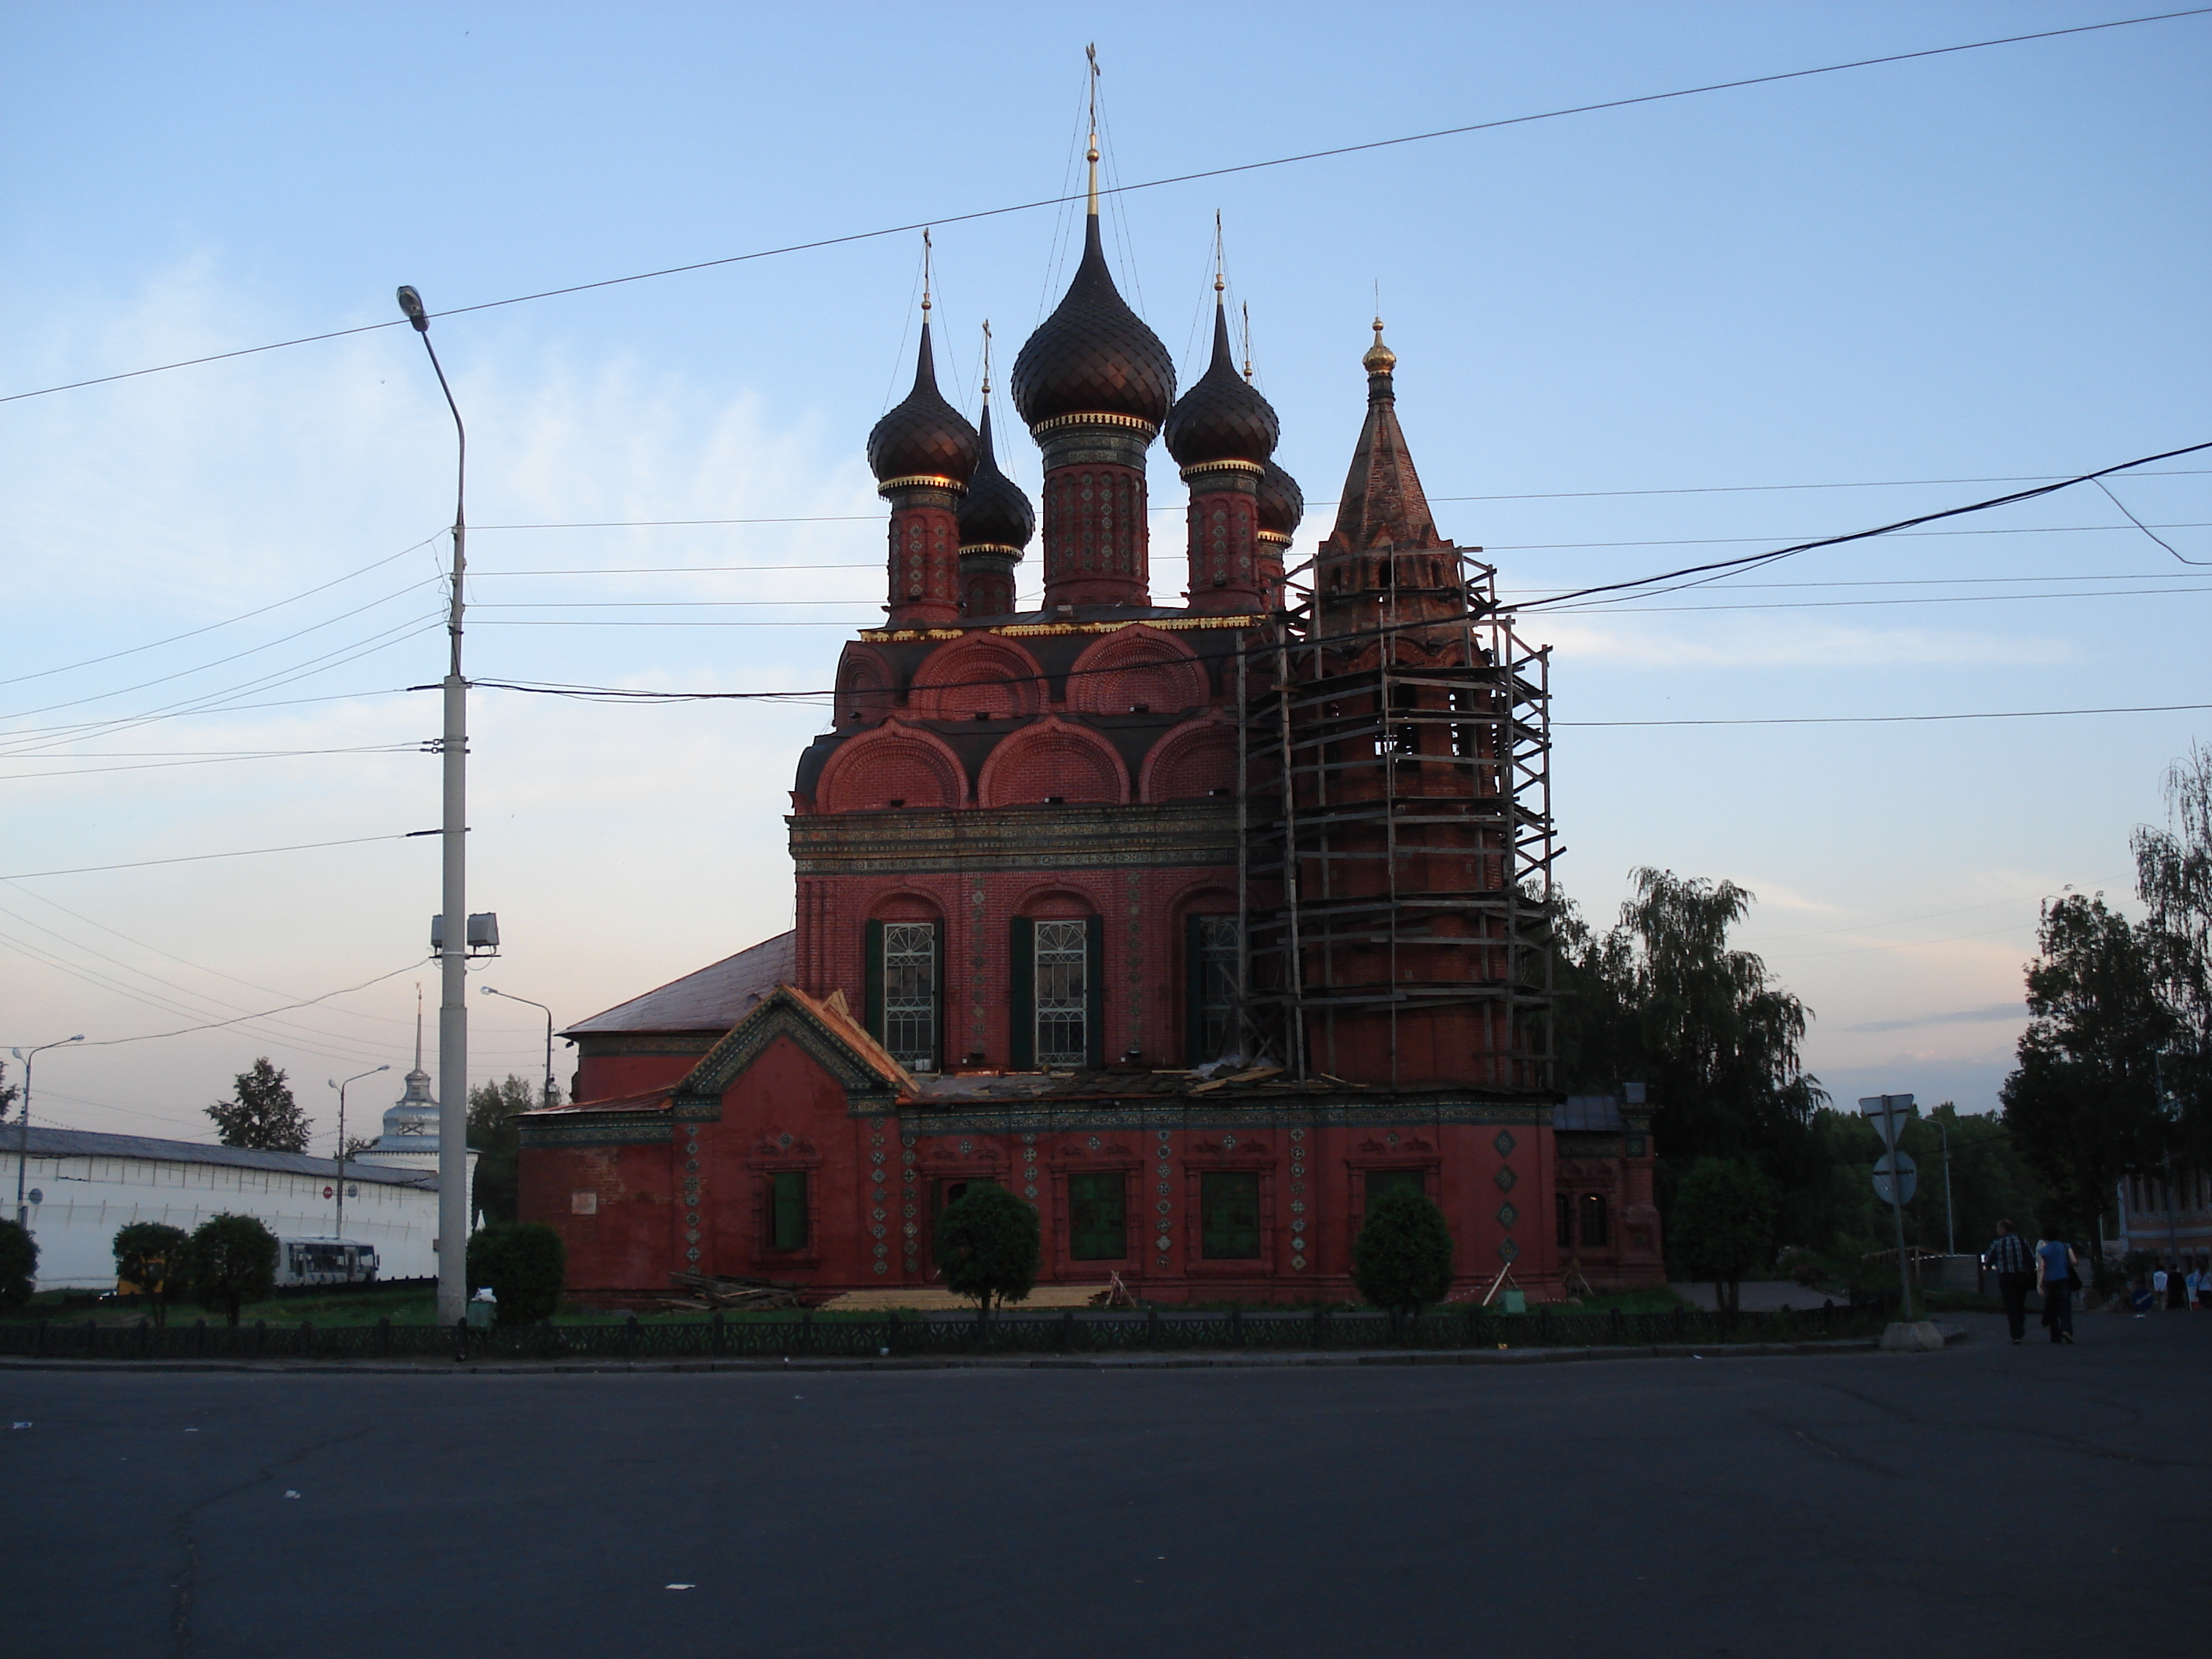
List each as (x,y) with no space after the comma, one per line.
(1198,925)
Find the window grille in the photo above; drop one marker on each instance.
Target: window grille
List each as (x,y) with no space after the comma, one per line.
(911,994)
(1217,952)
(1063,960)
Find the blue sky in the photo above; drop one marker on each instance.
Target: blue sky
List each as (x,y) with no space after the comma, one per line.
(1987,265)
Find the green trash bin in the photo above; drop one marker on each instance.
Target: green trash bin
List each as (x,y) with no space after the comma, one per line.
(1513,1301)
(483,1308)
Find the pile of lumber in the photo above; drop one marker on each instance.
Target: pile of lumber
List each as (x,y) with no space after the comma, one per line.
(712,1293)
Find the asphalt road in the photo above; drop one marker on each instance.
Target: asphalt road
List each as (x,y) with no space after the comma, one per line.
(1987,1500)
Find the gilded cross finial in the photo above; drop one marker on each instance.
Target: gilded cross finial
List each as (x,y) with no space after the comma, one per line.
(1090,152)
(987,360)
(926,258)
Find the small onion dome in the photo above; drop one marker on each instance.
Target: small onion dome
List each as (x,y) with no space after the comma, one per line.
(994,512)
(1223,418)
(1093,355)
(1378,359)
(924,438)
(1282,503)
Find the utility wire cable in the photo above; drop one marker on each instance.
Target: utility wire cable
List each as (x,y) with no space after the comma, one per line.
(1753,560)
(217,1026)
(2147,529)
(202,858)
(1119,191)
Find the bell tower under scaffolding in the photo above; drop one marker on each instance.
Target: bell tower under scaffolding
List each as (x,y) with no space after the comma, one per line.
(1397,842)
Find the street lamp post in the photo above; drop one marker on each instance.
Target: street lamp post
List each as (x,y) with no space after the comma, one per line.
(342,1088)
(1950,1228)
(546,1098)
(23,1129)
(454,941)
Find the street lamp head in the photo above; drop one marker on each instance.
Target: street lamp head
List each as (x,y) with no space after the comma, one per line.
(486,990)
(79,1038)
(412,303)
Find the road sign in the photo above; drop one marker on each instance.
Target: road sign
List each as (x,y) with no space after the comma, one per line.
(1888,1113)
(1901,1165)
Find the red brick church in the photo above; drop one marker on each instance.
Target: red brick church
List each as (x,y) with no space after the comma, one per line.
(1198,925)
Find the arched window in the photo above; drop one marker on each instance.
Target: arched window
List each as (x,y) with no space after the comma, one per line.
(1594,1234)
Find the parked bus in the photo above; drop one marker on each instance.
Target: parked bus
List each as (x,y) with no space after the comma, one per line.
(324,1262)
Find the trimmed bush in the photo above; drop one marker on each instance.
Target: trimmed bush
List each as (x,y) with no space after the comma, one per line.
(150,1255)
(1722,1226)
(1402,1259)
(19,1264)
(525,1264)
(232,1260)
(988,1245)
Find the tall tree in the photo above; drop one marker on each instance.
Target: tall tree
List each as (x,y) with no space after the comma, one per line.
(262,1114)
(1662,998)
(8,1091)
(497,1139)
(2173,879)
(2082,1103)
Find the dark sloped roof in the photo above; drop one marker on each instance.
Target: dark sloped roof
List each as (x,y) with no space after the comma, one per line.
(87,1143)
(713,999)
(1598,1113)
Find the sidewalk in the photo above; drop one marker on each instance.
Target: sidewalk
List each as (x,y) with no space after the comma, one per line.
(1763,1296)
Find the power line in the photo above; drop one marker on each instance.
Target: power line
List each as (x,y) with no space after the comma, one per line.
(1899,720)
(210,760)
(1752,560)
(201,858)
(1118,190)
(1317,507)
(1631,610)
(216,1026)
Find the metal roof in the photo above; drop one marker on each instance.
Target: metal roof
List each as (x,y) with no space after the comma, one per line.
(713,999)
(1588,1112)
(86,1143)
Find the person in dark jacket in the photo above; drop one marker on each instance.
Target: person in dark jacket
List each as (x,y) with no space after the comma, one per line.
(2012,1263)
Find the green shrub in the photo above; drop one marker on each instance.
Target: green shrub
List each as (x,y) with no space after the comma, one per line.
(988,1245)
(151,1255)
(525,1264)
(19,1264)
(1402,1258)
(232,1260)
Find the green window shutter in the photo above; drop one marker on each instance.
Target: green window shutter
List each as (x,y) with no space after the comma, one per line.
(871,975)
(788,1211)
(1094,988)
(1097,1217)
(1021,1049)
(1379,1181)
(1229,1216)
(1193,1002)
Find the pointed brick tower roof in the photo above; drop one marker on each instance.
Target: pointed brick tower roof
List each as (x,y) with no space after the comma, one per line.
(1382,504)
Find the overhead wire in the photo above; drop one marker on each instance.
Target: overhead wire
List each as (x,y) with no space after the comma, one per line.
(1118,190)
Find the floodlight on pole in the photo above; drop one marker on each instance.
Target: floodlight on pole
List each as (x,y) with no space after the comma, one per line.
(453,951)
(23,1128)
(342,1088)
(546,1098)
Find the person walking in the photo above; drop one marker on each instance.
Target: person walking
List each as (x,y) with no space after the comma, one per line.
(2012,1263)
(2054,1277)
(2158,1277)
(2176,1289)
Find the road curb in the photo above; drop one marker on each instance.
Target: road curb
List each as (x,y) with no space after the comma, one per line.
(954,1362)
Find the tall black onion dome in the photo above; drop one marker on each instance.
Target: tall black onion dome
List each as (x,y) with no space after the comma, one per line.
(1093,355)
(1282,503)
(1223,418)
(925,437)
(994,512)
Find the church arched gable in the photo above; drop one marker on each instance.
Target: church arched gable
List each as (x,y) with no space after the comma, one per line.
(1194,762)
(893,766)
(1137,668)
(865,687)
(1050,764)
(982,675)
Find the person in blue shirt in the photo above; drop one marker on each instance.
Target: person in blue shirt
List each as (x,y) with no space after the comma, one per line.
(2014,1263)
(2054,1277)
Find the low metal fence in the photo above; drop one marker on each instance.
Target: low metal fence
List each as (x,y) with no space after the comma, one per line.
(804,1335)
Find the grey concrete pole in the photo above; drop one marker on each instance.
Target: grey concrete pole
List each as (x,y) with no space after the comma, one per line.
(342,1088)
(23,1128)
(453,945)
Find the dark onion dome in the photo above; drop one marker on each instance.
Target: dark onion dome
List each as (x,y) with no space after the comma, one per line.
(994,512)
(1282,502)
(1093,355)
(924,439)
(1223,418)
